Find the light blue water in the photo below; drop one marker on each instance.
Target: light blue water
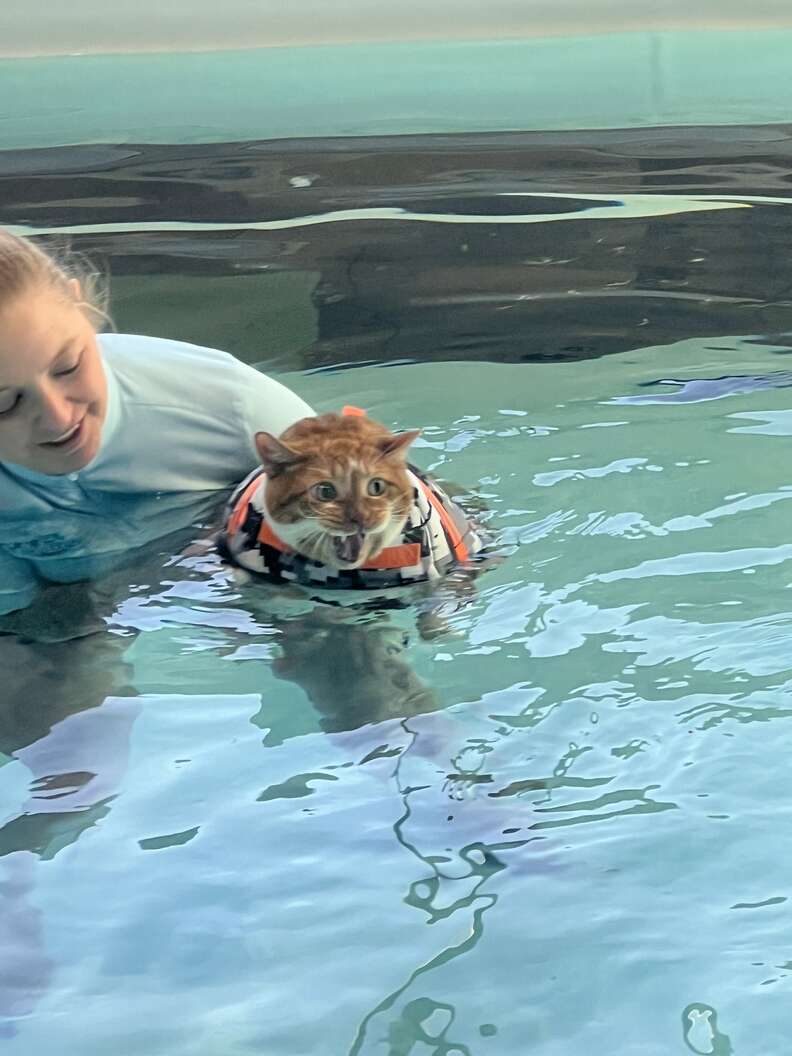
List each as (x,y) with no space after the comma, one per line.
(234,822)
(560,827)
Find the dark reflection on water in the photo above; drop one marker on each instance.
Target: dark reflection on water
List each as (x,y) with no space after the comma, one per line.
(379,289)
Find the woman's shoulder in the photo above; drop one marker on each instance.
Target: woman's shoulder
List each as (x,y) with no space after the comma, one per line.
(159,373)
(157,369)
(139,349)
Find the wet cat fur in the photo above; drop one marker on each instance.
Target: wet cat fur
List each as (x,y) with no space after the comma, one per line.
(337,489)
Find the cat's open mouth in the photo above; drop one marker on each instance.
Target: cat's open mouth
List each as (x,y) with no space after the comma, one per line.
(349,547)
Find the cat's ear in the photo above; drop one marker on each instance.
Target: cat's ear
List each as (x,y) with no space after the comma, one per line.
(398,442)
(275,455)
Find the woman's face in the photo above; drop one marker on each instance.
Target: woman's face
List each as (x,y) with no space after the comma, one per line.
(53,391)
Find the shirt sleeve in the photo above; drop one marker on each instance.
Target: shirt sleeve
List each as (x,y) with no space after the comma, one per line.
(268,405)
(18,583)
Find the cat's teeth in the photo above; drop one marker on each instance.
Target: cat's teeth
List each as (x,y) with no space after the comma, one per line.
(349,547)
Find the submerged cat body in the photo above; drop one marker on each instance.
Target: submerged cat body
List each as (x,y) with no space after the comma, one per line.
(336,505)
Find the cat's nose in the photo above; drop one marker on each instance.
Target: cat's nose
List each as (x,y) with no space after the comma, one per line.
(354,520)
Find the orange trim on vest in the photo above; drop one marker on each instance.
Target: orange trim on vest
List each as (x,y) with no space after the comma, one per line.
(238,514)
(269,538)
(404,556)
(455,540)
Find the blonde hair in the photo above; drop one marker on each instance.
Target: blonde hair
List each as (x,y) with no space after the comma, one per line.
(25,266)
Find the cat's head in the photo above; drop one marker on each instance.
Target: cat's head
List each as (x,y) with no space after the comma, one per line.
(337,488)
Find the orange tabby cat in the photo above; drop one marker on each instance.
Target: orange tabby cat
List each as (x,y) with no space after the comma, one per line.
(337,488)
(335,504)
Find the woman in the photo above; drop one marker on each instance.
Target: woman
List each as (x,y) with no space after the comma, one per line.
(107,440)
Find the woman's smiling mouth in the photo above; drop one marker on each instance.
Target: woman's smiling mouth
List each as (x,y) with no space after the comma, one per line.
(70,440)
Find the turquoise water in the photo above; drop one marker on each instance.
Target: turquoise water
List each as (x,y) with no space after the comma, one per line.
(560,826)
(237,822)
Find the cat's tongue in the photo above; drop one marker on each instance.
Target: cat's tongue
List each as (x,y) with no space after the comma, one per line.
(348,548)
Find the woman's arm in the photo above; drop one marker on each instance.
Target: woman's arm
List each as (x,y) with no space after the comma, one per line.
(267,405)
(18,583)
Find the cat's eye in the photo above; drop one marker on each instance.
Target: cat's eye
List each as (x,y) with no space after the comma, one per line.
(377,486)
(324,491)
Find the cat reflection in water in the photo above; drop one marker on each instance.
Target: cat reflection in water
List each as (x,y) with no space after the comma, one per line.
(354,672)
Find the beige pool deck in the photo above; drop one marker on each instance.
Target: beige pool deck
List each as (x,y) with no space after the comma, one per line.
(38,27)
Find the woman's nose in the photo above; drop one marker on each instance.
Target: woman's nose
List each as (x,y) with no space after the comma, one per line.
(56,413)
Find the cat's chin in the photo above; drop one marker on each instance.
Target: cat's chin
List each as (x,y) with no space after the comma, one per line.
(344,552)
(349,550)
(355,551)
(352,551)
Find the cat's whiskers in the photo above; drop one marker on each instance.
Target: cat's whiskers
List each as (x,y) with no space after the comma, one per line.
(314,543)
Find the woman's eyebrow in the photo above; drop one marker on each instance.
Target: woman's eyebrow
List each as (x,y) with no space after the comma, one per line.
(65,347)
(67,344)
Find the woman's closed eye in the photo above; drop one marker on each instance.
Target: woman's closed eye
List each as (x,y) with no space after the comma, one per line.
(9,401)
(61,372)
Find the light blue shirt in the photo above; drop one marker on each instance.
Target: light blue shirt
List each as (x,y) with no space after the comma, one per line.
(179,428)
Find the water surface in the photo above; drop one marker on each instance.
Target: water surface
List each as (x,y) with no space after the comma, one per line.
(238,822)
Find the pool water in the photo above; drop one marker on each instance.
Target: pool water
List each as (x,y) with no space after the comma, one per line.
(240,822)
